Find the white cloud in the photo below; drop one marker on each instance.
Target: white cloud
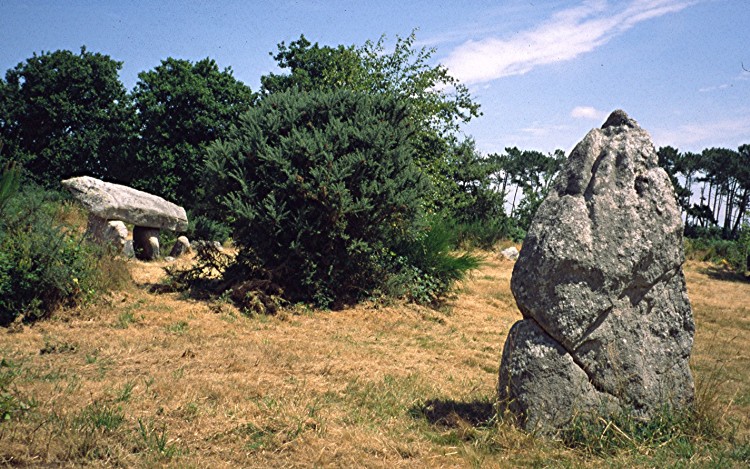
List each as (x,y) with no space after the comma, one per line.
(728,133)
(587,112)
(709,89)
(566,35)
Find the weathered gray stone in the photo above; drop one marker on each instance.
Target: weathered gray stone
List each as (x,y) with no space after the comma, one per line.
(600,285)
(510,253)
(213,245)
(146,243)
(181,247)
(128,250)
(116,202)
(112,233)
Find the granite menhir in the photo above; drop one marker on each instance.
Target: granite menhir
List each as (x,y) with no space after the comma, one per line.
(607,325)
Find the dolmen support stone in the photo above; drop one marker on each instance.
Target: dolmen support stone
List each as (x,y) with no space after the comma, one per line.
(107,202)
(607,325)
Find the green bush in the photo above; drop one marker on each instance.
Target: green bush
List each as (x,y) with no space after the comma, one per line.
(427,266)
(325,199)
(485,234)
(733,253)
(201,227)
(44,264)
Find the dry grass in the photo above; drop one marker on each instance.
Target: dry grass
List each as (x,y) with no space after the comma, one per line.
(148,379)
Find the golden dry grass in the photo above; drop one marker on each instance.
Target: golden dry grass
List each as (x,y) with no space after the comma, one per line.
(145,379)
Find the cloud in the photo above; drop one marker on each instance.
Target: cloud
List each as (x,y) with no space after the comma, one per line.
(709,89)
(565,36)
(728,133)
(587,112)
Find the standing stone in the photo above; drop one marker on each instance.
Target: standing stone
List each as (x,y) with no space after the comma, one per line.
(128,250)
(607,323)
(181,246)
(146,243)
(111,233)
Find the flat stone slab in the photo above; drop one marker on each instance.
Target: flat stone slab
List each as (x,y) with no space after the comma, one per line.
(117,202)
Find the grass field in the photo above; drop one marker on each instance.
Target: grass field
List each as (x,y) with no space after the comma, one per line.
(145,379)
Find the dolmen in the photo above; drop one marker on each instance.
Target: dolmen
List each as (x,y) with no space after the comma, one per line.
(110,206)
(607,325)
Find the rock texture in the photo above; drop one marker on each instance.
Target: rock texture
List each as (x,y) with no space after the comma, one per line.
(146,243)
(113,233)
(116,202)
(510,253)
(181,247)
(607,322)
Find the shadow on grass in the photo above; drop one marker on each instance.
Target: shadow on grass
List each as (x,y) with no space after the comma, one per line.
(450,413)
(724,274)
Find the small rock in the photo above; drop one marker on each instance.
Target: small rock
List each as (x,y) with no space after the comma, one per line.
(169,259)
(181,246)
(146,243)
(213,245)
(510,253)
(112,233)
(127,249)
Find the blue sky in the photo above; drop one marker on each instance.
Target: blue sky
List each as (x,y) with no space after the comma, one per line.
(544,72)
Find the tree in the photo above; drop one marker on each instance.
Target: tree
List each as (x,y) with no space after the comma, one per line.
(315,68)
(64,114)
(322,187)
(674,163)
(534,172)
(182,107)
(474,197)
(438,103)
(742,177)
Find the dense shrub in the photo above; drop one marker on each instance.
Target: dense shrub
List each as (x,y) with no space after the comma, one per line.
(733,253)
(202,227)
(485,234)
(44,264)
(427,267)
(325,198)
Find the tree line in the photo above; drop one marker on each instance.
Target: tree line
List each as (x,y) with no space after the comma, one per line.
(712,188)
(346,176)
(64,114)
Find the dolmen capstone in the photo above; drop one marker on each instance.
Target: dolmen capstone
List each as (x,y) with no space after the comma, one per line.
(607,325)
(110,206)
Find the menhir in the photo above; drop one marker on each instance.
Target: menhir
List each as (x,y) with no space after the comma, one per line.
(607,322)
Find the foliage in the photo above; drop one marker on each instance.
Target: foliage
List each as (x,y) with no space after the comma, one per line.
(11,404)
(44,264)
(485,234)
(428,268)
(437,102)
(734,254)
(10,181)
(319,186)
(204,227)
(64,114)
(469,192)
(181,108)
